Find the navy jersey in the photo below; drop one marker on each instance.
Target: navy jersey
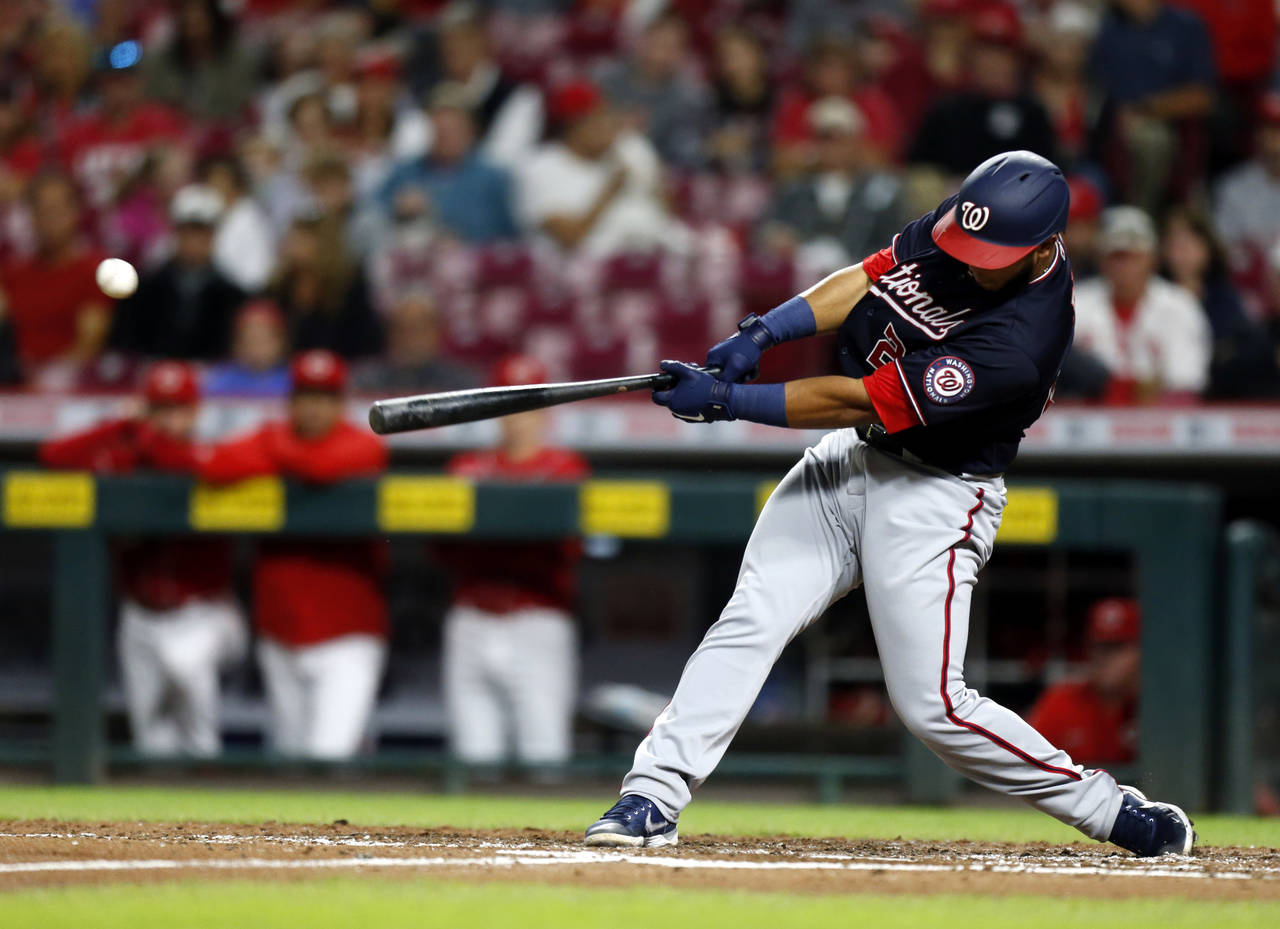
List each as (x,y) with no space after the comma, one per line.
(956,372)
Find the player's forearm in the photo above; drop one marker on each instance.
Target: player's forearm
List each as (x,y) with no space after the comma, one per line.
(834,296)
(833,402)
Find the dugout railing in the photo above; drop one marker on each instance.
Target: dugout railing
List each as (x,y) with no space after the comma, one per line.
(1173,532)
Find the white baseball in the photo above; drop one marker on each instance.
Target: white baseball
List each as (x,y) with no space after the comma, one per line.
(117,278)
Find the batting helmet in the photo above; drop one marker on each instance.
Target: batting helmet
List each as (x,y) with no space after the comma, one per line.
(1009,204)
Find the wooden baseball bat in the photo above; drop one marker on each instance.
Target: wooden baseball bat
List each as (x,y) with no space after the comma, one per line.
(427,411)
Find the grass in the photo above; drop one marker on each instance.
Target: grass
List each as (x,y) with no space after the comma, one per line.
(479,811)
(349,901)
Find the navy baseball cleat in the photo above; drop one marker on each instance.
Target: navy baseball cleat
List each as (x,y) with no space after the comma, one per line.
(633,821)
(1149,828)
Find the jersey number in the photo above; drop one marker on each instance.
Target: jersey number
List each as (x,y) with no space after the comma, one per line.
(887,349)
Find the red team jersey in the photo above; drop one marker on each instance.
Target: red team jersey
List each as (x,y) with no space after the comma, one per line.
(1073,717)
(160,574)
(310,591)
(501,577)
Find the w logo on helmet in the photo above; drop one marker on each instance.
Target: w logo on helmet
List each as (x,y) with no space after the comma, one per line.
(972,216)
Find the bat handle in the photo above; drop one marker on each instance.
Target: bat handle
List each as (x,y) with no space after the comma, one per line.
(665,381)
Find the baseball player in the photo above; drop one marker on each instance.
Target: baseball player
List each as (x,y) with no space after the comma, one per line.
(1094,717)
(179,624)
(950,341)
(318,604)
(510,645)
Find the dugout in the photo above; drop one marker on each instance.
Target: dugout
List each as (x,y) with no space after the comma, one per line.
(1172,533)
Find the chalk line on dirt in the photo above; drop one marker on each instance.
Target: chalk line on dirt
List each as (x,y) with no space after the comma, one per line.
(1181,869)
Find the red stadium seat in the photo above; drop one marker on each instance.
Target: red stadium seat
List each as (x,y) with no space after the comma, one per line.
(633,271)
(766,279)
(504,265)
(599,354)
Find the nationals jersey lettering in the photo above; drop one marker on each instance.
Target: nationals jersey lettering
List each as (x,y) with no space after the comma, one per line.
(957,372)
(901,290)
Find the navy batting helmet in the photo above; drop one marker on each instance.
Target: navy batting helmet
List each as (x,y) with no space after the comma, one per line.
(1007,206)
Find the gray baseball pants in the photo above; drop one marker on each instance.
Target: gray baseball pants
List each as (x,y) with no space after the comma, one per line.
(915,538)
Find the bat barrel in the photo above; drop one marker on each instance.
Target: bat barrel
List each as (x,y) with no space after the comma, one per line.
(428,411)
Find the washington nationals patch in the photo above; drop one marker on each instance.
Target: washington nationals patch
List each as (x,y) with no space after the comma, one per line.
(948,380)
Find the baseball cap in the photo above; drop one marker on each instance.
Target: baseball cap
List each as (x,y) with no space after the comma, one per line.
(997,24)
(515,370)
(1126,229)
(574,100)
(449,95)
(1114,621)
(318,369)
(196,205)
(1086,199)
(171,383)
(381,63)
(836,115)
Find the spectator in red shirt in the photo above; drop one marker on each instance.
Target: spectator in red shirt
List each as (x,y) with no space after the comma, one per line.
(1244,50)
(318,604)
(109,143)
(52,299)
(179,625)
(1094,719)
(510,645)
(830,71)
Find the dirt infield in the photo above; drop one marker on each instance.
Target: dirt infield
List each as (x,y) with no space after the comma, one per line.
(35,853)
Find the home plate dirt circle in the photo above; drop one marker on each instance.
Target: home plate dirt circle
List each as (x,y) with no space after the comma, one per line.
(34,853)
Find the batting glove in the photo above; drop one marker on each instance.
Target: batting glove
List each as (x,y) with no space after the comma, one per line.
(696,397)
(738,356)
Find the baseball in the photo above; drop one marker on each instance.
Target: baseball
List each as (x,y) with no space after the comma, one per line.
(117,278)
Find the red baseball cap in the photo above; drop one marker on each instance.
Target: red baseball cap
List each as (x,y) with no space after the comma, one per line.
(1086,199)
(574,100)
(515,370)
(318,369)
(1114,621)
(997,24)
(378,63)
(171,383)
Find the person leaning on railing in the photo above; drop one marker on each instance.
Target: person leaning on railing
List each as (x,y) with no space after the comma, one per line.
(179,623)
(318,604)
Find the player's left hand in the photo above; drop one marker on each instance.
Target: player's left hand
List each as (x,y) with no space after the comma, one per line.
(697,397)
(738,356)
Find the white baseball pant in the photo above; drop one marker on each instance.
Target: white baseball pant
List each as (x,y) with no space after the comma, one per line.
(510,679)
(915,538)
(169,664)
(321,696)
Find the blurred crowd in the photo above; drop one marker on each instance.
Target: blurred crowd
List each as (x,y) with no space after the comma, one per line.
(424,187)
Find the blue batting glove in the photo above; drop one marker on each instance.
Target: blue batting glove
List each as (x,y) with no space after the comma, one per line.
(697,397)
(738,356)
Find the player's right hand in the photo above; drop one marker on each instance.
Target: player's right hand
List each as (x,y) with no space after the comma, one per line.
(738,356)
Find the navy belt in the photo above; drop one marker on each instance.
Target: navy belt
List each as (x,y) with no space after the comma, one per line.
(881,441)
